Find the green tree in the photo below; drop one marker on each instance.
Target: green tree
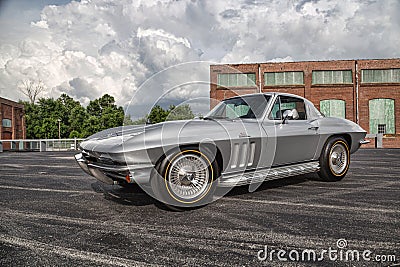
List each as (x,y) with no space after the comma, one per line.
(127,120)
(72,116)
(140,121)
(42,119)
(50,111)
(157,114)
(103,114)
(74,134)
(183,112)
(75,121)
(96,107)
(31,119)
(91,126)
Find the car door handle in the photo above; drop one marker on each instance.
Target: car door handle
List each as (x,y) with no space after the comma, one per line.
(313,128)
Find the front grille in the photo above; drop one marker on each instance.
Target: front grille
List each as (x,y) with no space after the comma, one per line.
(96,157)
(106,161)
(106,165)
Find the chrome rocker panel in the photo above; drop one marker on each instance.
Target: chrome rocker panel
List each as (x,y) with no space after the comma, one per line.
(259,176)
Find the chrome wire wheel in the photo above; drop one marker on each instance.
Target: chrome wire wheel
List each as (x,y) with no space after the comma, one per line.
(338,158)
(188,176)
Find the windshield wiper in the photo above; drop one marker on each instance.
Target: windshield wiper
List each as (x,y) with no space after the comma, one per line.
(209,119)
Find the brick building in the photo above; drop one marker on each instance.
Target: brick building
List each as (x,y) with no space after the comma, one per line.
(12,122)
(364,91)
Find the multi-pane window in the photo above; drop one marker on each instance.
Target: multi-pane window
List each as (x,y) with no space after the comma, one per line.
(6,123)
(332,77)
(381,112)
(283,78)
(333,108)
(381,76)
(381,128)
(236,80)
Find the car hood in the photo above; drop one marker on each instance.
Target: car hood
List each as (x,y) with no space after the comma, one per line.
(128,138)
(117,131)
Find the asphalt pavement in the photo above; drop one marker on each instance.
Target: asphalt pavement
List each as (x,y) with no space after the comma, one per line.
(53,214)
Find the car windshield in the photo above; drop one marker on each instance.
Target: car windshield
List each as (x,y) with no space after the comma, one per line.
(245,107)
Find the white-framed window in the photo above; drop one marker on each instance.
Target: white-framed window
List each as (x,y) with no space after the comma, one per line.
(380,76)
(284,78)
(332,77)
(6,123)
(236,80)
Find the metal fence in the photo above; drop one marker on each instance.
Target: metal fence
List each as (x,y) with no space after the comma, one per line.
(40,144)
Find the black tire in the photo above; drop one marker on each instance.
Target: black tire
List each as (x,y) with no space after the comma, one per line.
(335,160)
(173,178)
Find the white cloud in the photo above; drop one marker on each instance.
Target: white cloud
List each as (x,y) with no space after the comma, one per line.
(279,59)
(163,35)
(40,24)
(89,48)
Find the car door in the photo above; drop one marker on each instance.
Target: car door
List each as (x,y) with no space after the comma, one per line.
(295,139)
(246,136)
(241,136)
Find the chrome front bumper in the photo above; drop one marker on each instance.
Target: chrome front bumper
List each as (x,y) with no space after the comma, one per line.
(114,174)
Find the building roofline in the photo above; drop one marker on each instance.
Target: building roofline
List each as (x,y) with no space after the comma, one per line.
(304,61)
(11,102)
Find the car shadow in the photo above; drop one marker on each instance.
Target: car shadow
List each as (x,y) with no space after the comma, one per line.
(267,185)
(131,195)
(134,195)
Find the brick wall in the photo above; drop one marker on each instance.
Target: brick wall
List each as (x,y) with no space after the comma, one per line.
(370,91)
(220,93)
(14,112)
(316,93)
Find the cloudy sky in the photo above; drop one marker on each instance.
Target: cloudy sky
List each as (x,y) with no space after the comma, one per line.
(139,49)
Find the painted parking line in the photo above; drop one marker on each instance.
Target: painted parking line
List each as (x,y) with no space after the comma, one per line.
(12,213)
(233,236)
(47,189)
(70,252)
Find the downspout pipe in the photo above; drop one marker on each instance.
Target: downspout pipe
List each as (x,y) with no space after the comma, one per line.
(357,100)
(259,77)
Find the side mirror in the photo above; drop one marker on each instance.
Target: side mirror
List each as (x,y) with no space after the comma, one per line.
(290,115)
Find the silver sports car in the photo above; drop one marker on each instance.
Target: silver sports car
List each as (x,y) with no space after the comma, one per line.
(244,140)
